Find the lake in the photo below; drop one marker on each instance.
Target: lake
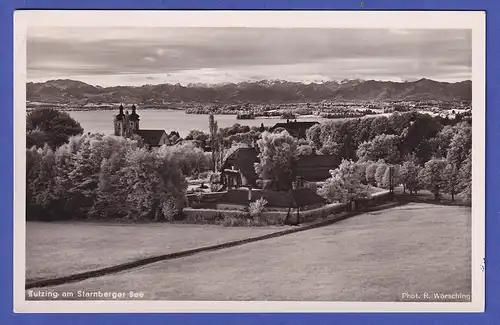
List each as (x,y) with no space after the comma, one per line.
(170,120)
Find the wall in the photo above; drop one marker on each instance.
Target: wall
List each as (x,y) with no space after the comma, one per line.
(208,214)
(244,181)
(374,199)
(209,197)
(322,212)
(225,206)
(163,140)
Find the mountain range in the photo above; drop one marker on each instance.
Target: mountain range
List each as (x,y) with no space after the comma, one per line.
(71,92)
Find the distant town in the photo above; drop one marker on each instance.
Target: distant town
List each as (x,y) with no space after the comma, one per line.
(282,99)
(324,109)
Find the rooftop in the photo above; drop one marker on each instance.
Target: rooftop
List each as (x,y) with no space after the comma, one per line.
(151,137)
(243,159)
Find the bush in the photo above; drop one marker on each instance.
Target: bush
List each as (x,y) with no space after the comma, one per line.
(231,221)
(257,207)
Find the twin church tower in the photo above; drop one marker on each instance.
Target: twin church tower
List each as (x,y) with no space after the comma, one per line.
(126,124)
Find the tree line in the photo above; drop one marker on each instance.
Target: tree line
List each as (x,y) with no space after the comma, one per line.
(426,152)
(74,175)
(96,176)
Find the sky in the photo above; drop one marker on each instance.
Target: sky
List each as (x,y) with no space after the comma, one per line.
(137,56)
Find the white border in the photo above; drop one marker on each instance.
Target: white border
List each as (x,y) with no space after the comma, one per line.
(285,19)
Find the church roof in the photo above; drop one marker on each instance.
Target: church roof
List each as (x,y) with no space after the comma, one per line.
(152,137)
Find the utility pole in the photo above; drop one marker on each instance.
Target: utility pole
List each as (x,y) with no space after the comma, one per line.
(391,181)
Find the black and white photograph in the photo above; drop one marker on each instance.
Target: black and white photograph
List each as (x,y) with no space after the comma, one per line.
(266,161)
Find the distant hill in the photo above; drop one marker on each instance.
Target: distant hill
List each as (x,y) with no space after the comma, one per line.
(265,91)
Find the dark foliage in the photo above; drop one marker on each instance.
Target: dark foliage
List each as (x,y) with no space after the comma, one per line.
(50,126)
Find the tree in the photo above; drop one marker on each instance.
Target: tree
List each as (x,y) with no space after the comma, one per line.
(432,176)
(330,147)
(200,137)
(50,126)
(465,176)
(41,182)
(190,159)
(277,154)
(361,168)
(451,180)
(380,172)
(105,205)
(441,142)
(143,184)
(313,134)
(42,185)
(305,150)
(105,177)
(383,146)
(83,178)
(391,176)
(399,121)
(408,175)
(370,171)
(460,145)
(380,125)
(415,136)
(344,185)
(172,193)
(214,143)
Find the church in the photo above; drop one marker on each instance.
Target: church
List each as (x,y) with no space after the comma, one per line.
(127,125)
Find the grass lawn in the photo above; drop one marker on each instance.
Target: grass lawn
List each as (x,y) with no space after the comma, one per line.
(426,196)
(58,249)
(376,256)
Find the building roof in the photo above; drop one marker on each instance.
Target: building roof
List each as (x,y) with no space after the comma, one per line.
(294,125)
(151,137)
(296,198)
(314,161)
(305,196)
(243,159)
(315,167)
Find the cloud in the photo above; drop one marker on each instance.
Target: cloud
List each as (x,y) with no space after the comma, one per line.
(219,54)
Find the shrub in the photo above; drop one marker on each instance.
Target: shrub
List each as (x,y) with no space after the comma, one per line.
(257,207)
(232,221)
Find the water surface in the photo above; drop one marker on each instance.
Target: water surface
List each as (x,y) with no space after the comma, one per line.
(169,120)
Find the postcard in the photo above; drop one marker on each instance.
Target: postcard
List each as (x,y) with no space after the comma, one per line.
(260,161)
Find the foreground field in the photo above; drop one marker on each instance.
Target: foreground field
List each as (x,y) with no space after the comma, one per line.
(58,249)
(379,256)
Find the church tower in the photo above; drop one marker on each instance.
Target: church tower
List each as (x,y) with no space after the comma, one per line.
(134,120)
(120,127)
(127,130)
